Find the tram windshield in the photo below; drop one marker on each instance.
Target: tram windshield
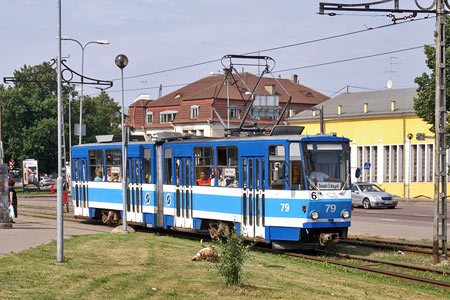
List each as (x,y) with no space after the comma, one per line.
(327,165)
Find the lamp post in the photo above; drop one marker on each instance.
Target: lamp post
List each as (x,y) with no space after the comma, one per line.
(122,61)
(101,42)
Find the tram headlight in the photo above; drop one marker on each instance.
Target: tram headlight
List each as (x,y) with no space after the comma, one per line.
(345,214)
(314,215)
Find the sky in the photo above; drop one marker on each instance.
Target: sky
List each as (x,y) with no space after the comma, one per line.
(159,35)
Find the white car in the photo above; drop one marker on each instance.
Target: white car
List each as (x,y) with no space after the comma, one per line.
(45,181)
(370,195)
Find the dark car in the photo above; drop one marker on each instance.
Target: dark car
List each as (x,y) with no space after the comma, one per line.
(370,195)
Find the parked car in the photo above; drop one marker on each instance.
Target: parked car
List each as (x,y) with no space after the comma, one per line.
(370,195)
(45,181)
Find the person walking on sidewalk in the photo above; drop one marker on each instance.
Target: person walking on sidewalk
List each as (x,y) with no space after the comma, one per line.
(12,197)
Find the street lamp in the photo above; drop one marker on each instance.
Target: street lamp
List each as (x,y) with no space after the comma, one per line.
(122,61)
(101,42)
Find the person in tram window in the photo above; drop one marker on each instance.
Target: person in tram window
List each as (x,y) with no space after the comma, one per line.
(203,180)
(318,175)
(99,176)
(108,175)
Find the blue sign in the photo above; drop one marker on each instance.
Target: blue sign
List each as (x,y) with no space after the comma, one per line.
(367,166)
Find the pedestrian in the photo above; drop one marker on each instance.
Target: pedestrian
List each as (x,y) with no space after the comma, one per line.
(12,198)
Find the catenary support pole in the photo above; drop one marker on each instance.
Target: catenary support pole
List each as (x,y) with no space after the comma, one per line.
(59,206)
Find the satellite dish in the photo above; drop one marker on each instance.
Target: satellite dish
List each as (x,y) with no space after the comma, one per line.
(389,84)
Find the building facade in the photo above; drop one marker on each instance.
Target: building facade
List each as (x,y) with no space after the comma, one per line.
(205,107)
(382,126)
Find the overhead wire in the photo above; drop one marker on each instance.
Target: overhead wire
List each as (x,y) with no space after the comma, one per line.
(279,47)
(297,68)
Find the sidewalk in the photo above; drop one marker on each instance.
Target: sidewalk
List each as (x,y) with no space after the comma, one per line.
(29,232)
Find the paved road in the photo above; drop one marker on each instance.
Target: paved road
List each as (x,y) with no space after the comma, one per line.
(412,221)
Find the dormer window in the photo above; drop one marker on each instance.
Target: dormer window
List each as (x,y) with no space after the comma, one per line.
(148,117)
(177,96)
(235,113)
(167,116)
(309,94)
(194,111)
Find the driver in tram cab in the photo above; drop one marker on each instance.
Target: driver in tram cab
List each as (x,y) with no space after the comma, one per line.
(318,175)
(203,180)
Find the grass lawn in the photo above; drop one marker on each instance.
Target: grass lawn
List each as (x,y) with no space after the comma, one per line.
(142,266)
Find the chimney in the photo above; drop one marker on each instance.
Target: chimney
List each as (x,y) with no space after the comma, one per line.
(225,72)
(366,108)
(270,89)
(339,109)
(392,105)
(294,78)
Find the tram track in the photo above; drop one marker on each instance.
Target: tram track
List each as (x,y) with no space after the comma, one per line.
(407,247)
(402,276)
(49,212)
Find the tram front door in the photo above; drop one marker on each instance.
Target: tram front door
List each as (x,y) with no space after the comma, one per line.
(134,192)
(80,187)
(183,192)
(253,197)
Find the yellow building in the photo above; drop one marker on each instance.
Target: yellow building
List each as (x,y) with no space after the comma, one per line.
(378,124)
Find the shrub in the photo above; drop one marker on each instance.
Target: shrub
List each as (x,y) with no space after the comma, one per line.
(232,255)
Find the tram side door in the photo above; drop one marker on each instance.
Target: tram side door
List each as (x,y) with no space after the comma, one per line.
(134,191)
(253,197)
(80,182)
(183,192)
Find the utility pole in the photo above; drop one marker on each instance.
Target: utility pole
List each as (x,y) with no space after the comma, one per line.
(437,7)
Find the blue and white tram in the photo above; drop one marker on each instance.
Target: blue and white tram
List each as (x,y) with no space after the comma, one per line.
(267,187)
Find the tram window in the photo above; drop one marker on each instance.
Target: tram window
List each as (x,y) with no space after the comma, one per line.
(204,163)
(76,170)
(277,157)
(227,166)
(168,166)
(296,178)
(96,165)
(114,165)
(147,166)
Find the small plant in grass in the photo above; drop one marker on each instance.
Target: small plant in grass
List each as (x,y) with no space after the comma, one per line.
(232,255)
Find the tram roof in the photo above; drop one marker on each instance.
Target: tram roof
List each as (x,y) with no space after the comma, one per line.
(319,137)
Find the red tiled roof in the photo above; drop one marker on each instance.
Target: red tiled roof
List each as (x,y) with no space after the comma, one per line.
(203,91)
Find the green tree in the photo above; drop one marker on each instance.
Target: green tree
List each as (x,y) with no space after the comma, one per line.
(424,103)
(100,114)
(29,116)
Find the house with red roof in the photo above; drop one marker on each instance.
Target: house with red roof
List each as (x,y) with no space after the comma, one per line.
(206,106)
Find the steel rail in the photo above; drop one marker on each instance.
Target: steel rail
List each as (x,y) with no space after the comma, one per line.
(385,245)
(387,262)
(399,243)
(406,277)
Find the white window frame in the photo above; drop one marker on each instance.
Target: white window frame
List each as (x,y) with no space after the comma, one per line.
(367,154)
(195,110)
(235,113)
(148,117)
(165,117)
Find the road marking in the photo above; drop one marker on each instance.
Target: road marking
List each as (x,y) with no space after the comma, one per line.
(415,215)
(388,219)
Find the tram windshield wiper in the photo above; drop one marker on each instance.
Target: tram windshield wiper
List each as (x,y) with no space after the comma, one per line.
(311,182)
(346,182)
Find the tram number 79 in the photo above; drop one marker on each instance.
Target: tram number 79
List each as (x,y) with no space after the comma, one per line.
(284,207)
(331,207)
